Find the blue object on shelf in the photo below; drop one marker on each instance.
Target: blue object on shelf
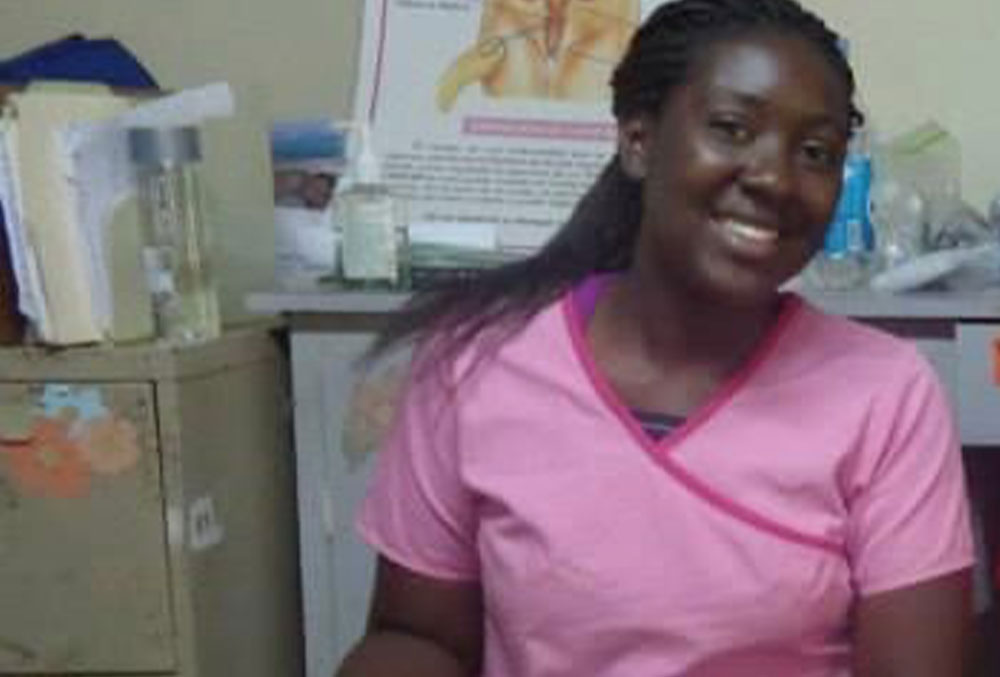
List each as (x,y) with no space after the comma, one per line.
(81,59)
(308,139)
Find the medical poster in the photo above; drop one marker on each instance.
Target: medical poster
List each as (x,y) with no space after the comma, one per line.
(493,111)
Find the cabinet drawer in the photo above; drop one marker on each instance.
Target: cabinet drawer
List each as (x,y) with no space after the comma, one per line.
(979,383)
(83,570)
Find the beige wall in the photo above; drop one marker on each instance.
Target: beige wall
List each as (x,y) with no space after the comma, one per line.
(916,59)
(920,59)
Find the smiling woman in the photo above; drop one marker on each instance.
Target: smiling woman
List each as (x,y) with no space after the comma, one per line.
(631,454)
(742,167)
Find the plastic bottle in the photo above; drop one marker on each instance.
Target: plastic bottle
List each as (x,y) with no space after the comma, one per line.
(900,216)
(176,251)
(993,214)
(846,257)
(374,249)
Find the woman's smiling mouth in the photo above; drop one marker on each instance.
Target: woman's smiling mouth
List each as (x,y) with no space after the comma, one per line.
(748,240)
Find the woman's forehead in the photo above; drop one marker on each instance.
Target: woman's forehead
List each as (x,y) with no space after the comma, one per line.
(764,66)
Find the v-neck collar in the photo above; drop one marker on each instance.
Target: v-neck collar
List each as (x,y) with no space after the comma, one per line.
(576,326)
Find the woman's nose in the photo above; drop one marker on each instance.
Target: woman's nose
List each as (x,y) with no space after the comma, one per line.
(770,171)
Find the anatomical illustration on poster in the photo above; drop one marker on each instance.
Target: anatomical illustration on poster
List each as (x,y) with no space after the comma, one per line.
(493,111)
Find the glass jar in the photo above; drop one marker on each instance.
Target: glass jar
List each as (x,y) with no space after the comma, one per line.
(176,242)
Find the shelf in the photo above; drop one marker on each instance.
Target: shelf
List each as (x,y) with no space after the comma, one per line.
(981,305)
(325,301)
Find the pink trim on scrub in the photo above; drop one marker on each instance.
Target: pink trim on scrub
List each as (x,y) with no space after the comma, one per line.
(660,450)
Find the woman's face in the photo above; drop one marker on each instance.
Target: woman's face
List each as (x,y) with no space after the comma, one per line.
(741,169)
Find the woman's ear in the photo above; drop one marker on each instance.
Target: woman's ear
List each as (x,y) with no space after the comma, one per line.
(633,140)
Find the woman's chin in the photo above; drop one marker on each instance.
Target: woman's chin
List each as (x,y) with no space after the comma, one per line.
(740,289)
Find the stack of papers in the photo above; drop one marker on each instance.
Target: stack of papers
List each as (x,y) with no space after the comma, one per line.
(65,184)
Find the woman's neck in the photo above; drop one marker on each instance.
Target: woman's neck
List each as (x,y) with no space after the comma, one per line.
(674,326)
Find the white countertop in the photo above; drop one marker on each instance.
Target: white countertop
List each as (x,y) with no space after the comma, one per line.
(982,305)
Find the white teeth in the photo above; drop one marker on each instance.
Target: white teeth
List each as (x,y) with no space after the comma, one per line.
(751,232)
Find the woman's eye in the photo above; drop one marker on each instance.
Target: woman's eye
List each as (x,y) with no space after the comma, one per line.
(731,129)
(821,153)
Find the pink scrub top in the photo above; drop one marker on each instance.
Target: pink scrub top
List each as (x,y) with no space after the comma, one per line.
(826,469)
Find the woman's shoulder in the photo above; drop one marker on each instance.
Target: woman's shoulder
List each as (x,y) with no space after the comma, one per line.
(519,343)
(846,344)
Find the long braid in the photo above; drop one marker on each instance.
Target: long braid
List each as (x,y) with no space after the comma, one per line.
(601,232)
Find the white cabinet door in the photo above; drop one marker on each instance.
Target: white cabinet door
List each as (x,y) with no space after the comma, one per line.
(339,415)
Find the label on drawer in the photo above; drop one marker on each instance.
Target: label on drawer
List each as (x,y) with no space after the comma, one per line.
(204,528)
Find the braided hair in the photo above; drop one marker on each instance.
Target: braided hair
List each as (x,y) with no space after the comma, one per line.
(601,232)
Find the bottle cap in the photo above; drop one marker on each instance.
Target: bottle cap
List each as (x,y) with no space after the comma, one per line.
(164,146)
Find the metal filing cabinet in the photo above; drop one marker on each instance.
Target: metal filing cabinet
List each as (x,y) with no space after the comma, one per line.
(147,511)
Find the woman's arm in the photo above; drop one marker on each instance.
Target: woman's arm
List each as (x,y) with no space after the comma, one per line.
(910,538)
(923,630)
(419,626)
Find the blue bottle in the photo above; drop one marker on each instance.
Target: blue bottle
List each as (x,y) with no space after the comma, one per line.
(845,260)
